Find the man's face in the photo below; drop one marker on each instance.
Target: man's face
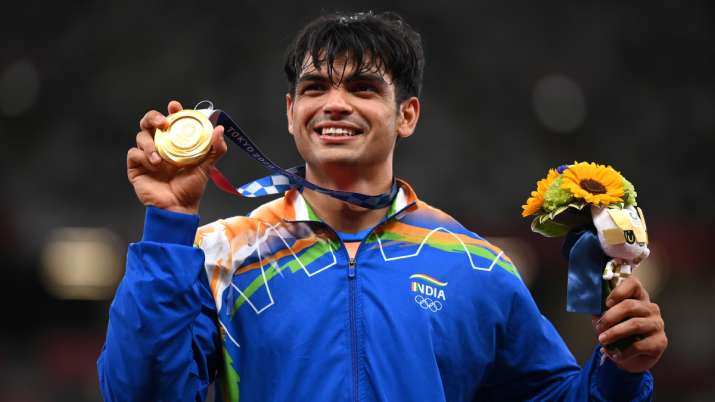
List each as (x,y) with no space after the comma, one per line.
(351,123)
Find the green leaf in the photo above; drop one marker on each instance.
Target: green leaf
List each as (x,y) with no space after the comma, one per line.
(578,205)
(547,227)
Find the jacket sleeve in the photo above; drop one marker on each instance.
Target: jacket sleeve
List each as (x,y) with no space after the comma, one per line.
(534,364)
(162,340)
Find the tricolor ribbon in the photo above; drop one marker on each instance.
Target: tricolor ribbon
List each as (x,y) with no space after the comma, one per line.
(281,180)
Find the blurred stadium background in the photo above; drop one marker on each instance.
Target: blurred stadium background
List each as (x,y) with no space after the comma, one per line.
(511,88)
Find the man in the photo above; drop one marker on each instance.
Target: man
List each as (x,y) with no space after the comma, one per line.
(310,298)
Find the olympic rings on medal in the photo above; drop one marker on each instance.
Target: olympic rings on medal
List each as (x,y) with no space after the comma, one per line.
(428,304)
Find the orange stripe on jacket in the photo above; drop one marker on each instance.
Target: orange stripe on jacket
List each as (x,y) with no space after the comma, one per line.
(416,234)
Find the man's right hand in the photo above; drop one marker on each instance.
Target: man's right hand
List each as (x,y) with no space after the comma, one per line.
(160,184)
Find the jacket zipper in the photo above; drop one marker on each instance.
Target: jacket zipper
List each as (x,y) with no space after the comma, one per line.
(352,290)
(353,324)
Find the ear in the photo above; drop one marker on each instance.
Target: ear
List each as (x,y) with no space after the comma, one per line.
(409,113)
(289,112)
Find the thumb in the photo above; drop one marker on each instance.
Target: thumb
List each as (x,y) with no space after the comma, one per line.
(218,148)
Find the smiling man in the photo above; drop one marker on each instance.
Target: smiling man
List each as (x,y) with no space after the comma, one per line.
(345,121)
(311,298)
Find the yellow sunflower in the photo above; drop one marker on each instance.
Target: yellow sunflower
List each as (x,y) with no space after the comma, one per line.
(536,201)
(596,184)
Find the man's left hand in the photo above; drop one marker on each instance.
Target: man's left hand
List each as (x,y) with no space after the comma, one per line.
(631,313)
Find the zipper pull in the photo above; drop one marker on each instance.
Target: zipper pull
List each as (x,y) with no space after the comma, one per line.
(351,267)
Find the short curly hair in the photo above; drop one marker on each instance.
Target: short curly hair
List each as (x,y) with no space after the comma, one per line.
(382,43)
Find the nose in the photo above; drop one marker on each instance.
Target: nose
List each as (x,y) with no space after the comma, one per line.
(337,103)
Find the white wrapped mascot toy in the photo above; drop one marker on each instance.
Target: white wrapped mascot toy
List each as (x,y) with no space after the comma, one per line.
(623,237)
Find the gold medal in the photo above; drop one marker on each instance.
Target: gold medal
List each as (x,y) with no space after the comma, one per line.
(187,140)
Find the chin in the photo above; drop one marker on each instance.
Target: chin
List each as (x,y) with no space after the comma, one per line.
(328,159)
(337,162)
(336,156)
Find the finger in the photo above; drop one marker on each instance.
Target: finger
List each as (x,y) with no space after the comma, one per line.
(633,326)
(145,142)
(650,346)
(218,146)
(152,120)
(174,106)
(631,288)
(219,141)
(628,308)
(136,158)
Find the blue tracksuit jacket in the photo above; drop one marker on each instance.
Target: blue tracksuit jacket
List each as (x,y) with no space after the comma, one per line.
(271,308)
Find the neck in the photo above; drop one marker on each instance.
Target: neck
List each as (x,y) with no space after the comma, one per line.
(341,215)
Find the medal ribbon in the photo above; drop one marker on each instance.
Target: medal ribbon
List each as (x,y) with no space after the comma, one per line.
(281,180)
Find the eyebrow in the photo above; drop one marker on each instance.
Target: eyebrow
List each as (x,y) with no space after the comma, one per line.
(349,79)
(311,77)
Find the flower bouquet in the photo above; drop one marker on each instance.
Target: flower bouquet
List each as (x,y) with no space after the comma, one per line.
(612,220)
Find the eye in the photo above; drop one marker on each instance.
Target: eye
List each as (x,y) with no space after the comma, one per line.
(312,89)
(364,87)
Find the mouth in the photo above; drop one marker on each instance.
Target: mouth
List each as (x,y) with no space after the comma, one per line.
(337,132)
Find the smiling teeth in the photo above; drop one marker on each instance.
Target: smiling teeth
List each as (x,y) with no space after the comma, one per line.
(337,131)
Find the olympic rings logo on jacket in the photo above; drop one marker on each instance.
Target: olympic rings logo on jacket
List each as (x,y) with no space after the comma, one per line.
(428,304)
